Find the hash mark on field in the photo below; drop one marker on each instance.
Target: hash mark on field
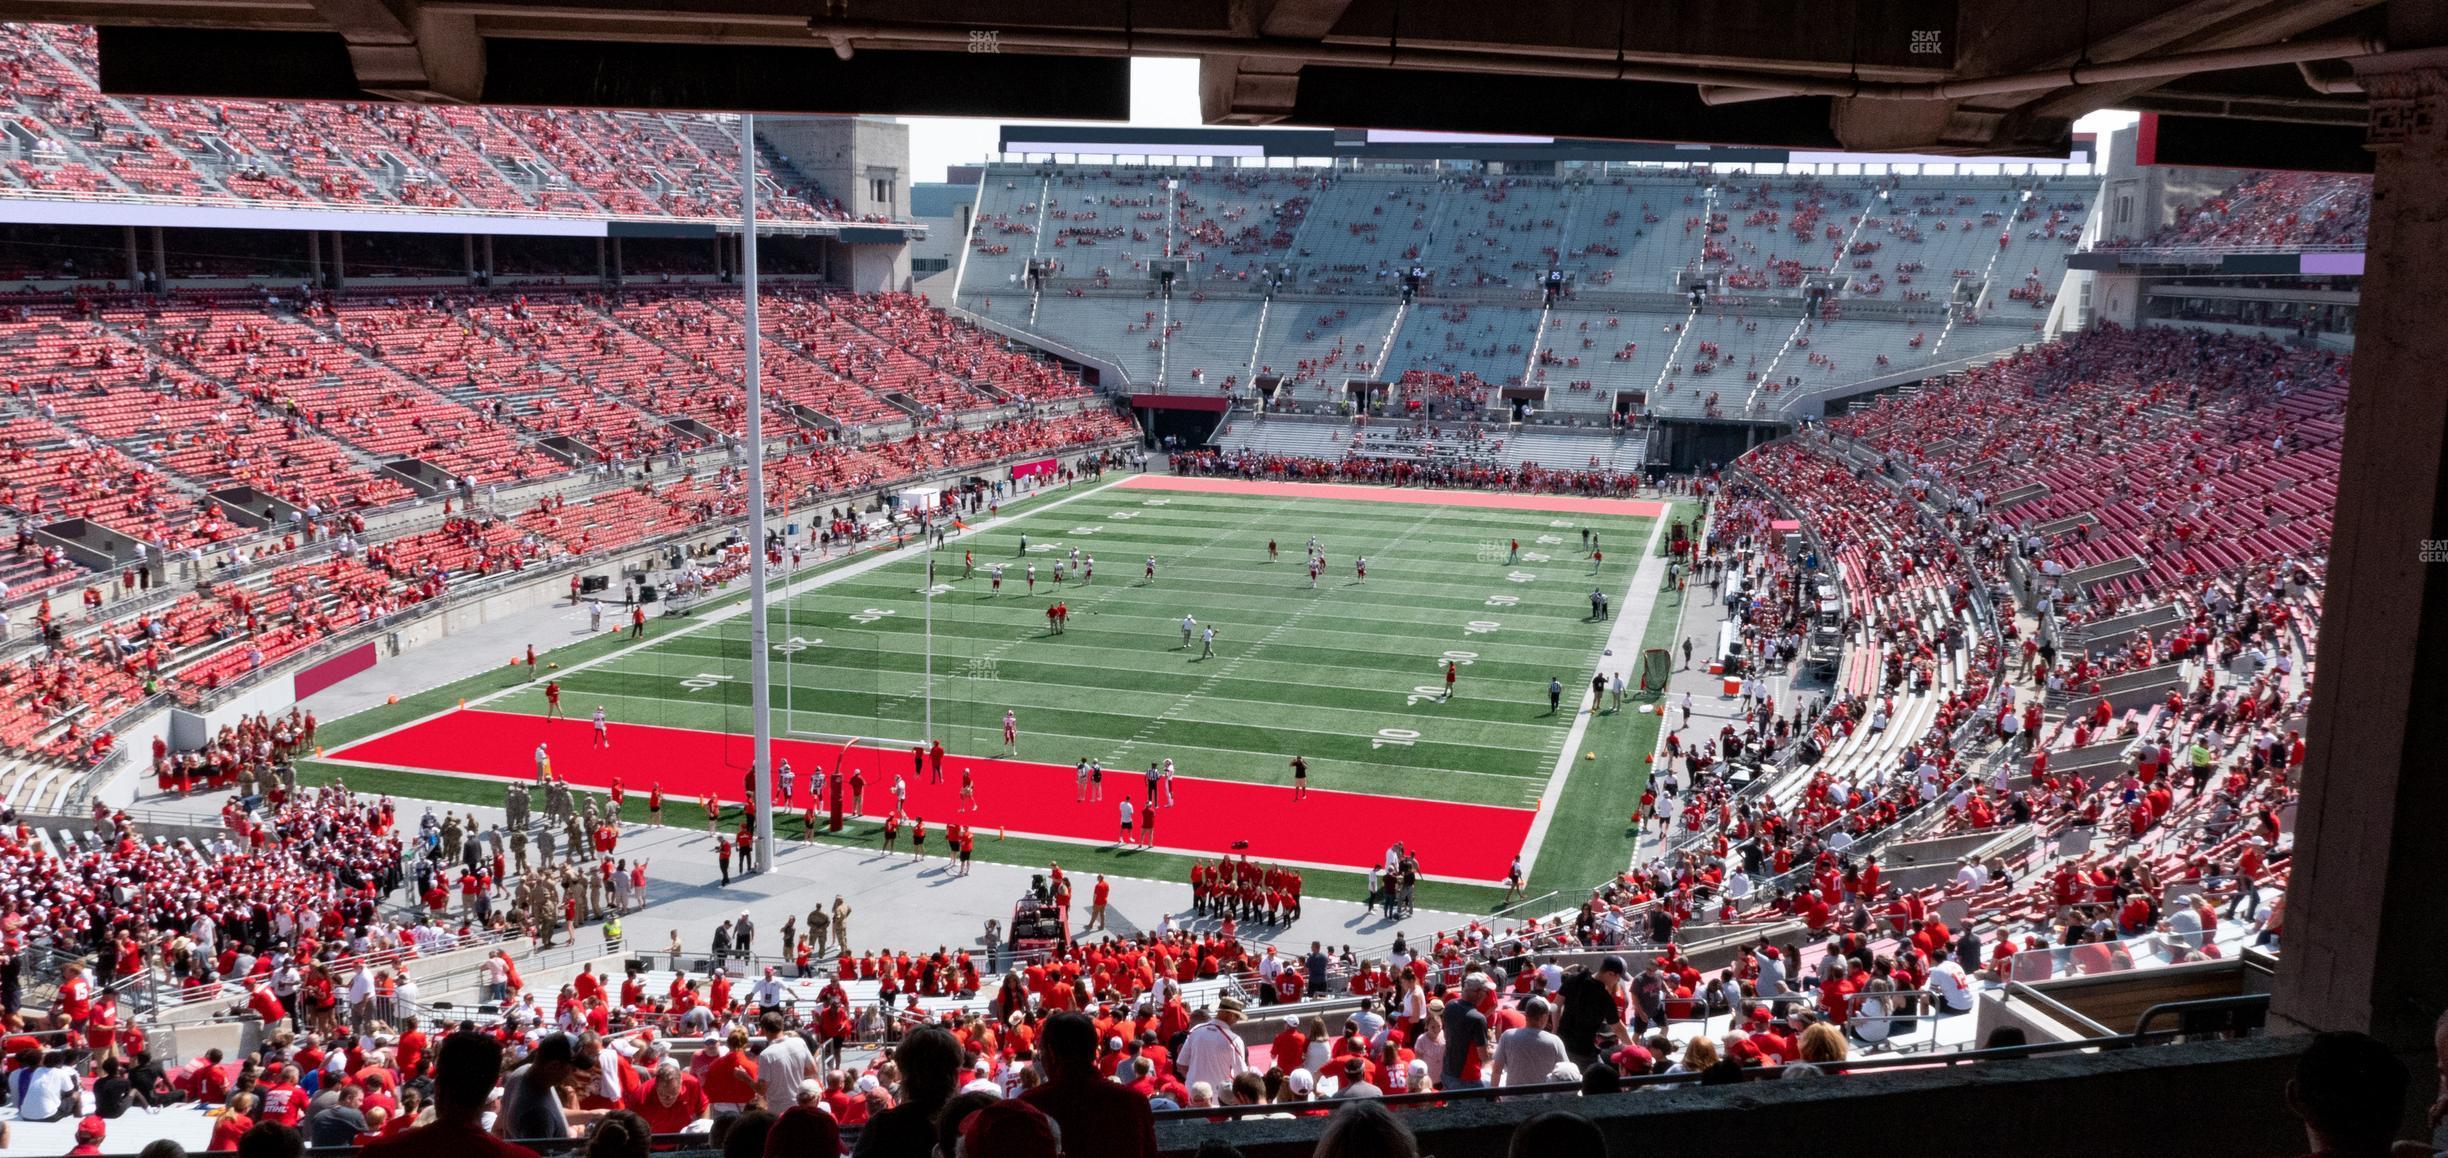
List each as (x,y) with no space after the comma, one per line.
(1229,666)
(1102,594)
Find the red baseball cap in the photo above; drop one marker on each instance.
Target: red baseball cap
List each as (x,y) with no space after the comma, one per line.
(1010,1129)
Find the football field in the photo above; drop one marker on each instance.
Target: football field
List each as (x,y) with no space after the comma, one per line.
(1347,674)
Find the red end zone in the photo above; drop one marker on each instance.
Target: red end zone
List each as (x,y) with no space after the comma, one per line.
(1346,830)
(1491,500)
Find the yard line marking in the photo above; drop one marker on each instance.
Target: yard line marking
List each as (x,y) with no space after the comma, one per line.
(1103,594)
(1640,602)
(1260,644)
(1545,733)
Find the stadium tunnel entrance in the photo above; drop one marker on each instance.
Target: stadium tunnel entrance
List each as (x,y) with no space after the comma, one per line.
(1187,420)
(1682,445)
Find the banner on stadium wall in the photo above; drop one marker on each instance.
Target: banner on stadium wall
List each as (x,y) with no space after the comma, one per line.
(333,670)
(1025,469)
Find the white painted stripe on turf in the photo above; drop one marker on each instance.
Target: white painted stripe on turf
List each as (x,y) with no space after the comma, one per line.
(1633,623)
(1317,600)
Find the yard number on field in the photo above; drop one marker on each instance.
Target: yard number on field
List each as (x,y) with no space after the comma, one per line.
(1480,626)
(1393,737)
(870,615)
(703,680)
(796,644)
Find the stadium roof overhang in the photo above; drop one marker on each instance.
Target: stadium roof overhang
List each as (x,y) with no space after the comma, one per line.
(1986,77)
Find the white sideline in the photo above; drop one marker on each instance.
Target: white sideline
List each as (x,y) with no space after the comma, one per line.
(1640,602)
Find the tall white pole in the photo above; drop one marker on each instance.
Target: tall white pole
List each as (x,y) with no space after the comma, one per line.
(760,652)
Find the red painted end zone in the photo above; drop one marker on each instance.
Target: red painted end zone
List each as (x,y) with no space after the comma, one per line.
(1491,500)
(1343,829)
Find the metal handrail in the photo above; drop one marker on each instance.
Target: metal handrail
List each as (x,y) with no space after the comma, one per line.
(2213,250)
(2242,1003)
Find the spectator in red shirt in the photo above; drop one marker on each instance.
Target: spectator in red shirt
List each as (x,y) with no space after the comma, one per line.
(411,1052)
(731,1082)
(1096,1116)
(1289,1048)
(673,1101)
(232,1123)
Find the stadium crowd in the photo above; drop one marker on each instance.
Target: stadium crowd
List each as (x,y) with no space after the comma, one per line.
(1529,477)
(2268,209)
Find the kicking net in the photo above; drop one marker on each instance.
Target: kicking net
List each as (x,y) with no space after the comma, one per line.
(1656,667)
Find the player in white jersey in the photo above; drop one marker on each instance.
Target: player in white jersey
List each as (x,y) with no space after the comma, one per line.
(1151,568)
(1316,564)
(603,739)
(1189,626)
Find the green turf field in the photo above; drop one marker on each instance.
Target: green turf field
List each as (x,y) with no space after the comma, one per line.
(1345,674)
(1336,674)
